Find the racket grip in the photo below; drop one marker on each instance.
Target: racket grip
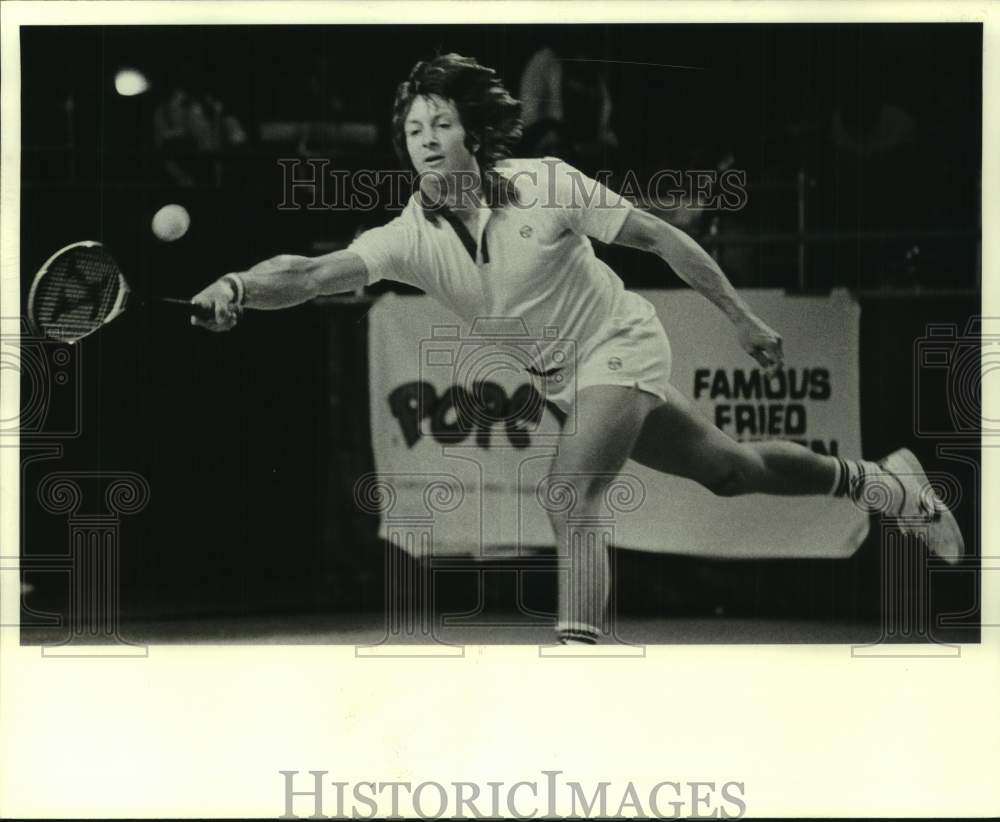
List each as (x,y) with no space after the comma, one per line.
(186,308)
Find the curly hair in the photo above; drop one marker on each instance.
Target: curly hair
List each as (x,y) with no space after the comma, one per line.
(490,116)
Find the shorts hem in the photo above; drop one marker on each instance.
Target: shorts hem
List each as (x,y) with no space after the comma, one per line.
(646,386)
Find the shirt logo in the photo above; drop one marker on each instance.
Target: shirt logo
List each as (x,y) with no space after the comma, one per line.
(527,231)
(615,363)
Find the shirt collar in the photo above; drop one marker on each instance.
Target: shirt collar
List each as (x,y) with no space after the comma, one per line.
(432,212)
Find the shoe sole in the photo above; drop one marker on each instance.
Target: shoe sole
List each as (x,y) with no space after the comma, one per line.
(944,536)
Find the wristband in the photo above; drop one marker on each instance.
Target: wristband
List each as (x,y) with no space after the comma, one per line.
(239,290)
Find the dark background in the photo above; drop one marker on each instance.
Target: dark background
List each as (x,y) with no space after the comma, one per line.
(251,441)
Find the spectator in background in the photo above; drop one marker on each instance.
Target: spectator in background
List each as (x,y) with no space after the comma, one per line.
(872,127)
(188,128)
(566,106)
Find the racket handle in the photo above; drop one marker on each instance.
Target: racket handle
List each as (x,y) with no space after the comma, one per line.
(185,308)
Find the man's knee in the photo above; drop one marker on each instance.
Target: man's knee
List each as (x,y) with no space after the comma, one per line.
(736,475)
(573,494)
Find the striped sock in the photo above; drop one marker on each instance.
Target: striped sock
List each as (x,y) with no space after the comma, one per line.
(576,632)
(842,482)
(851,479)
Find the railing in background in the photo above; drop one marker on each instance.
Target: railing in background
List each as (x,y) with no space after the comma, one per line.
(803,247)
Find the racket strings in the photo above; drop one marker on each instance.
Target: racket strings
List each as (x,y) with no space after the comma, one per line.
(77,293)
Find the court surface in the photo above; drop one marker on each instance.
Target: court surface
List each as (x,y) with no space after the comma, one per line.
(369,629)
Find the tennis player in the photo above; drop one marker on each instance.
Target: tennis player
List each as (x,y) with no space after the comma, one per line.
(491,236)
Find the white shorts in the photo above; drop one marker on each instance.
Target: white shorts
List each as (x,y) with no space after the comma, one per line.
(635,354)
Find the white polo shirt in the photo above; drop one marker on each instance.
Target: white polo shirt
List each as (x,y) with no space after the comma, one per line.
(538,265)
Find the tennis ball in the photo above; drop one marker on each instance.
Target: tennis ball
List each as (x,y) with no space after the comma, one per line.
(171,222)
(130,82)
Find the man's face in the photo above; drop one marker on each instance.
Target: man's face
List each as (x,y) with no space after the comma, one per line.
(435,139)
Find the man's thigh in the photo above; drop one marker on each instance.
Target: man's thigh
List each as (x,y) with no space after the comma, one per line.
(609,419)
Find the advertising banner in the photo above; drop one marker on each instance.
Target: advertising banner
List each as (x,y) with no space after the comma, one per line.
(463,441)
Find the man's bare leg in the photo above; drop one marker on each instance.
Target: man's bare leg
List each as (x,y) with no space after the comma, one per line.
(677,439)
(609,419)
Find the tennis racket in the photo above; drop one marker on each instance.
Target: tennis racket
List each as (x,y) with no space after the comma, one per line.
(80,288)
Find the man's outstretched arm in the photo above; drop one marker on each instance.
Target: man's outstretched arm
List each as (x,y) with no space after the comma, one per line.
(280,282)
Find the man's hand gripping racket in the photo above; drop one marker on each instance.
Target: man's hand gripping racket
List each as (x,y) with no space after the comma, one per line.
(220,304)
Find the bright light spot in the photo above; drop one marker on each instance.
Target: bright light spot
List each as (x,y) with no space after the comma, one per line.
(130,82)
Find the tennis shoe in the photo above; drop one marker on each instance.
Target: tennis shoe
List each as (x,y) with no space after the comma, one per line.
(919,510)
